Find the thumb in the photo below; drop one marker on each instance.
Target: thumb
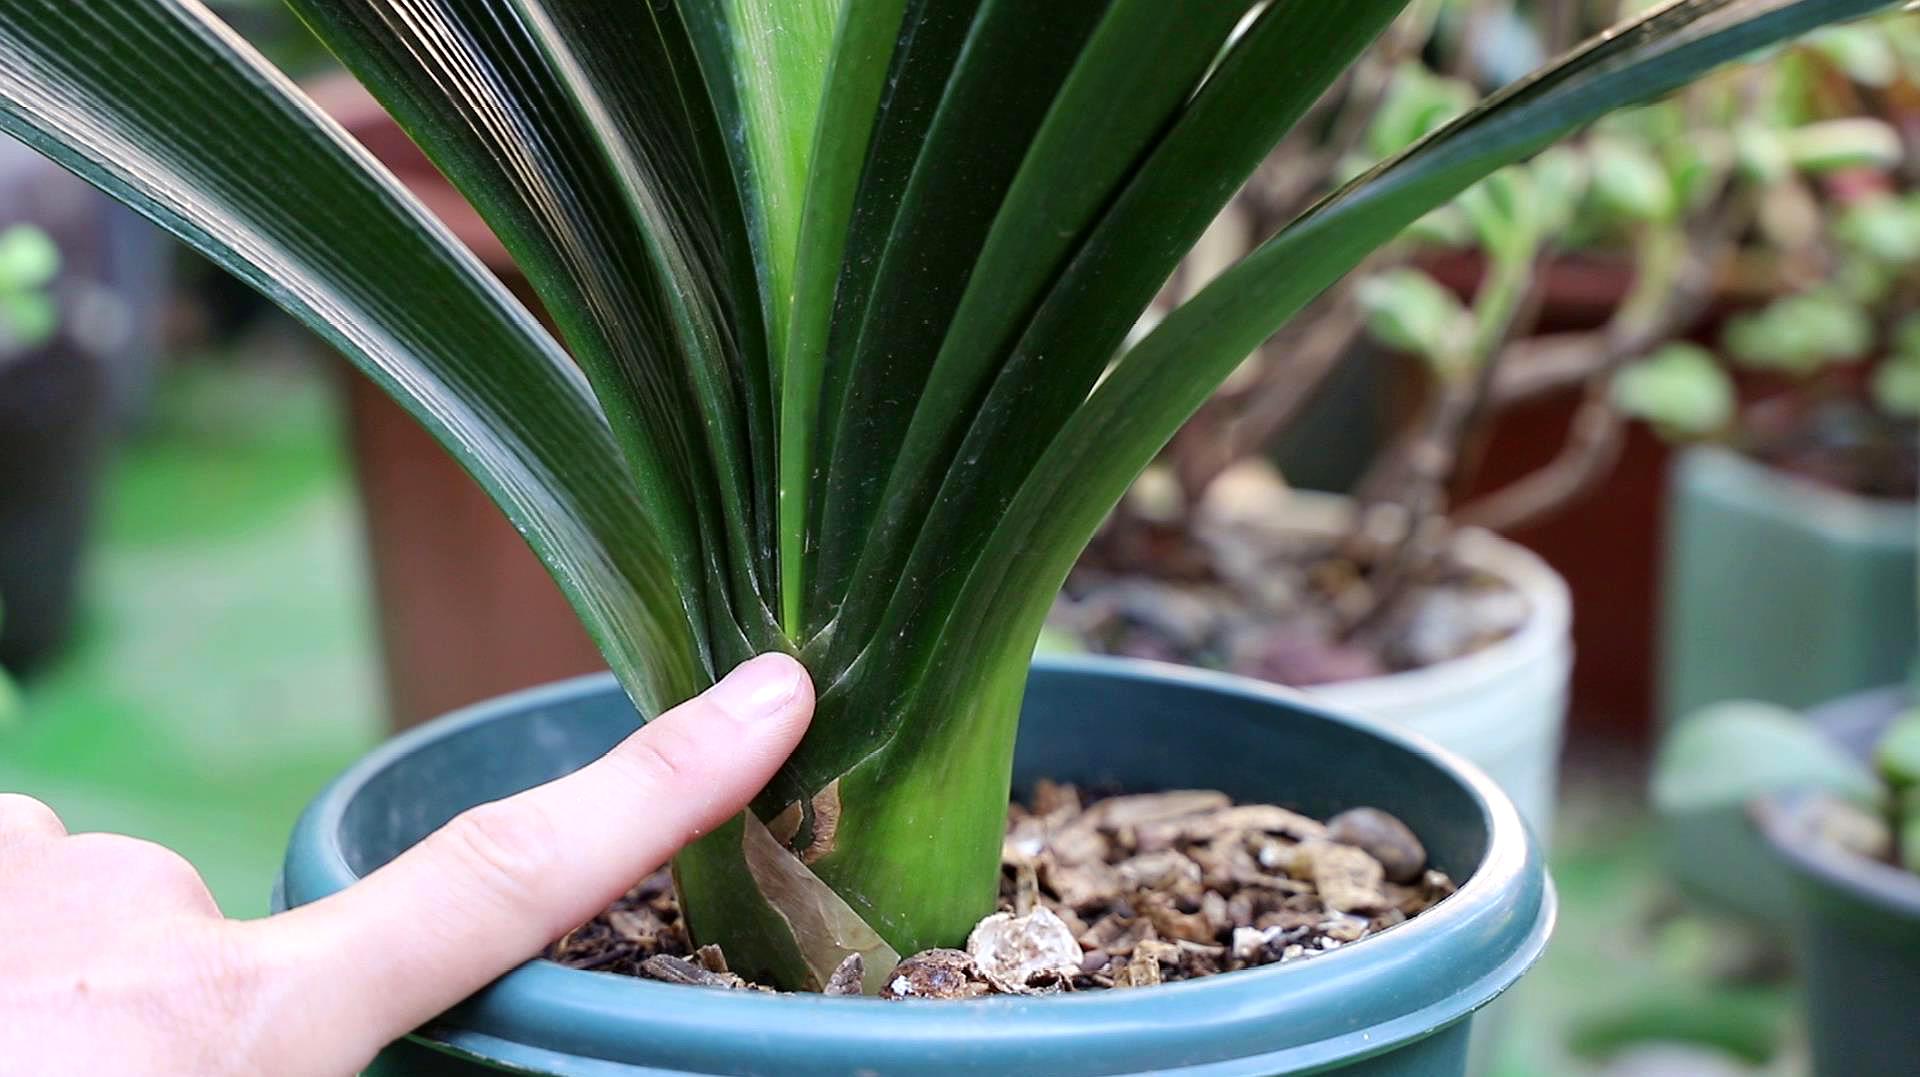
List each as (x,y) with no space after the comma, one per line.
(502,880)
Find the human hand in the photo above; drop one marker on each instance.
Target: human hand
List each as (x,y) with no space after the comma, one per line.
(114,958)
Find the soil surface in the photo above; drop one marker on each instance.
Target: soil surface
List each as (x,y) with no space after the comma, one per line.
(1101,893)
(1295,610)
(1839,443)
(1253,581)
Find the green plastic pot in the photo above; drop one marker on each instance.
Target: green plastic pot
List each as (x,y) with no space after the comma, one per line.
(1779,589)
(1398,1004)
(1856,922)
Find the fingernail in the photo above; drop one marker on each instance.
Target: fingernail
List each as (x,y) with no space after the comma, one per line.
(759,688)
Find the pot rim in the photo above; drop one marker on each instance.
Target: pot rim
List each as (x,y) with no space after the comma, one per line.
(1771,492)
(1782,819)
(1490,931)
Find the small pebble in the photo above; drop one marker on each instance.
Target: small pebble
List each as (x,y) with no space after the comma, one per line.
(846,977)
(938,974)
(1383,837)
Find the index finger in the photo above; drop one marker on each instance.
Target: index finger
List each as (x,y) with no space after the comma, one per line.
(502,880)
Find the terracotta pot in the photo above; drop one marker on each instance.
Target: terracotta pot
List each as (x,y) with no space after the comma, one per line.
(466,611)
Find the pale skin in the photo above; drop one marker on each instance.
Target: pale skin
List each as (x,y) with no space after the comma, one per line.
(115,959)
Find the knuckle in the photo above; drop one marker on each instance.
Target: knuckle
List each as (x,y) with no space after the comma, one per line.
(19,812)
(666,753)
(149,866)
(507,848)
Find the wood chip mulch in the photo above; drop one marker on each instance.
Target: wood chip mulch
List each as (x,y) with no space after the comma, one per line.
(1113,892)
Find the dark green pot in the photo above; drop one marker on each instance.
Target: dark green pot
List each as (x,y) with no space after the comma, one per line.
(1857,923)
(1398,1005)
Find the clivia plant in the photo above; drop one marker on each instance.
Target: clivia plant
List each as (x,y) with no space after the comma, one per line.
(847,285)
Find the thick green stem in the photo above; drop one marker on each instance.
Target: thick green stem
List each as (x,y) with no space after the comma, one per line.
(906,844)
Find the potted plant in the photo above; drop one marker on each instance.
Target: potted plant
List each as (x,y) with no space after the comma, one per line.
(1400,602)
(966,210)
(1832,796)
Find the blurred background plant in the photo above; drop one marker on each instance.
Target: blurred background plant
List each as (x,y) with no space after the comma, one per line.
(1773,190)
(28,314)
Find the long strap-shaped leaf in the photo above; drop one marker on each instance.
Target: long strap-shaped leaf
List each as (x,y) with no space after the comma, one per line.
(1161,381)
(609,222)
(864,50)
(1272,75)
(1118,106)
(1010,71)
(158,104)
(765,62)
(932,35)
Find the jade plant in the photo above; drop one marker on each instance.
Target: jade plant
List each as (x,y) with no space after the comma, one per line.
(1812,144)
(846,289)
(1786,166)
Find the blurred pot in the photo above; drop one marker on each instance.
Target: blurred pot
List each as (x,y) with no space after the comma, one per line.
(1503,708)
(1780,589)
(61,401)
(1856,921)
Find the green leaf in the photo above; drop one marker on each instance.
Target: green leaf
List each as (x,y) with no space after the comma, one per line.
(1884,228)
(1680,389)
(1729,753)
(1409,311)
(856,93)
(1561,177)
(1630,182)
(1220,137)
(1444,227)
(585,174)
(1417,102)
(1895,387)
(9,700)
(1863,52)
(1800,334)
(1139,67)
(27,319)
(28,258)
(1835,145)
(765,62)
(168,112)
(1505,211)
(1017,60)
(1897,756)
(1761,152)
(1906,339)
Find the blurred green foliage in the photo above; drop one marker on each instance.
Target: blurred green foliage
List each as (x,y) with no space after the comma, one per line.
(29,262)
